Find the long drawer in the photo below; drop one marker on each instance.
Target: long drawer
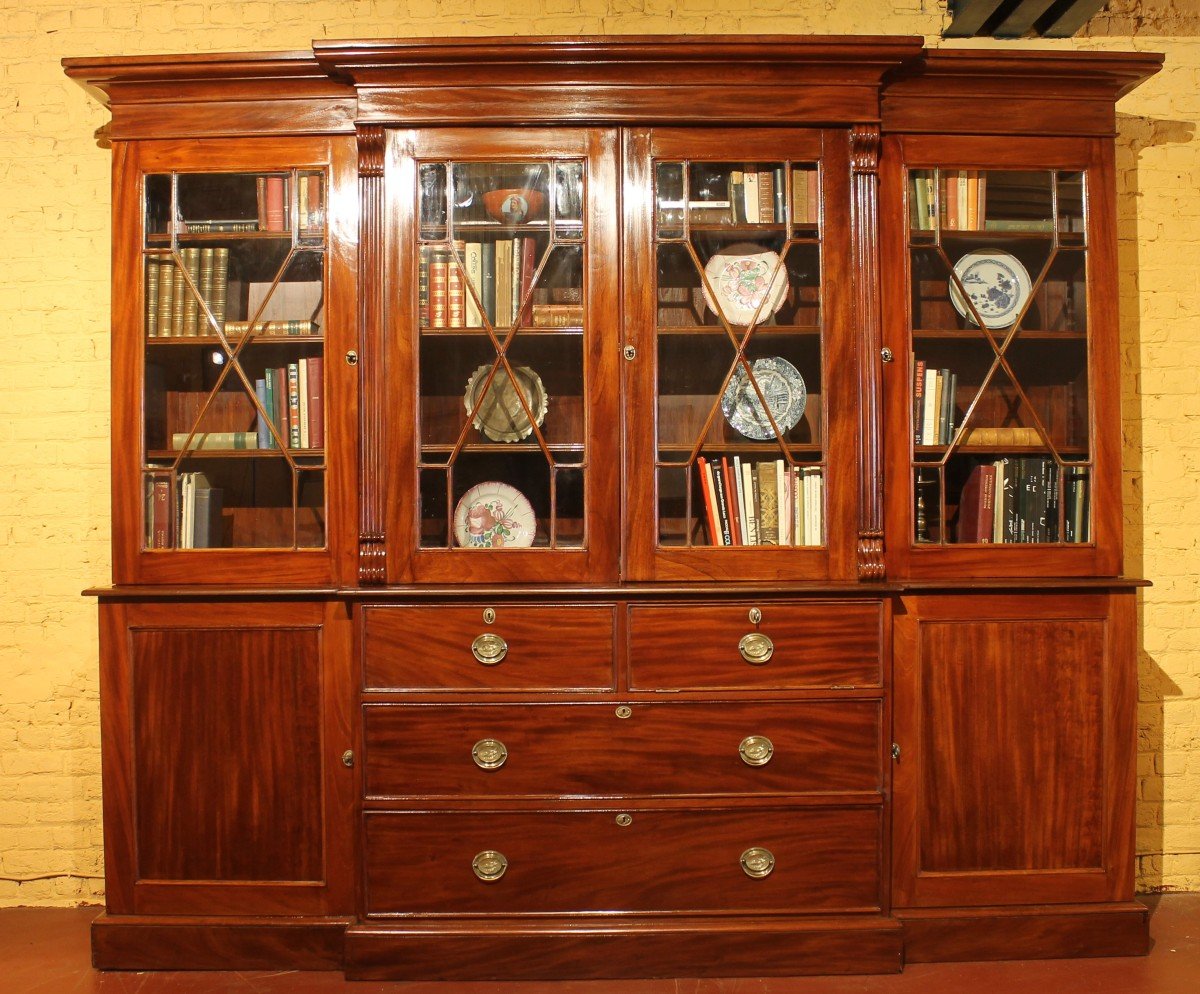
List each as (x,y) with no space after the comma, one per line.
(656,748)
(814,859)
(793,645)
(488,647)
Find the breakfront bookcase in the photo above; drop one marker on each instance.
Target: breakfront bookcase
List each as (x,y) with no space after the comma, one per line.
(610,507)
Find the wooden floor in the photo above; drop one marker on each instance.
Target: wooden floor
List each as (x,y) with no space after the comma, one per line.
(45,951)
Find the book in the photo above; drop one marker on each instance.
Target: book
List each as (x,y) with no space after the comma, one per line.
(293,405)
(708,495)
(815,504)
(731,491)
(750,197)
(302,402)
(152,276)
(918,414)
(751,512)
(766,195)
(972,199)
(473,260)
(280,409)
(976,506)
(275,204)
(456,303)
(928,415)
(488,281)
(1017,224)
(208,258)
(179,297)
(269,406)
(525,284)
(160,513)
(556,315)
(439,303)
(778,207)
(946,417)
(235,329)
(204,440)
(166,300)
(783,502)
(768,504)
(424,257)
(316,401)
(919,205)
(220,284)
(264,431)
(206,515)
(722,502)
(504,263)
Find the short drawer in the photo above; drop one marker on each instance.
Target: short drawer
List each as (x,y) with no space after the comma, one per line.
(807,644)
(678,748)
(518,647)
(817,860)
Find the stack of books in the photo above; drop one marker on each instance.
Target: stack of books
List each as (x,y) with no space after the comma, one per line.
(196,523)
(1017,500)
(935,413)
(501,274)
(764,503)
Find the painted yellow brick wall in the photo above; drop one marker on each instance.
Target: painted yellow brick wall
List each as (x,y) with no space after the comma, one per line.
(54,273)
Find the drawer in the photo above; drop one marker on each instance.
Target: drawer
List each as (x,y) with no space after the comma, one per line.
(526,647)
(824,860)
(811,644)
(587,750)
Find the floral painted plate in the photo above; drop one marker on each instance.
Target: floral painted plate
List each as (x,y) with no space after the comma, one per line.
(782,388)
(744,277)
(493,515)
(997,283)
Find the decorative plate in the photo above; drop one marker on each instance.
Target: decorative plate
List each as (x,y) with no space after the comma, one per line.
(783,389)
(741,279)
(997,284)
(493,515)
(501,416)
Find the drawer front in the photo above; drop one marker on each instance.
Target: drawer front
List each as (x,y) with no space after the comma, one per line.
(812,644)
(824,860)
(741,747)
(525,647)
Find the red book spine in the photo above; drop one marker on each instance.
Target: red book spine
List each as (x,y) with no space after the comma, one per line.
(316,404)
(987,504)
(456,294)
(438,291)
(162,514)
(275,205)
(735,519)
(528,263)
(710,501)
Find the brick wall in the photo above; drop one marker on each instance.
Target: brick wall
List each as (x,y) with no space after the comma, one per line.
(54,481)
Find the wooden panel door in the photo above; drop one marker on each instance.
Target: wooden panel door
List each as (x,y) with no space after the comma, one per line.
(740,373)
(1015,719)
(223,726)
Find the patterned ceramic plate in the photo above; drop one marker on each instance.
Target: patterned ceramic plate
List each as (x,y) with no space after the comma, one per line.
(493,515)
(741,279)
(501,416)
(997,284)
(783,389)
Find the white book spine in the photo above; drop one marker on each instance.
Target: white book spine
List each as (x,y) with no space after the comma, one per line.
(783,503)
(750,191)
(929,411)
(740,497)
(303,390)
(474,263)
(746,482)
(818,508)
(798,496)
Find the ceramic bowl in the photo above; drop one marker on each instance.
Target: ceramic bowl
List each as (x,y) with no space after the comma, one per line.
(514,206)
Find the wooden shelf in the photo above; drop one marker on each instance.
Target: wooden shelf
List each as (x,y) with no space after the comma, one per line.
(762,329)
(500,333)
(1025,334)
(314,239)
(506,448)
(925,237)
(743,447)
(170,455)
(800,232)
(1016,450)
(175,341)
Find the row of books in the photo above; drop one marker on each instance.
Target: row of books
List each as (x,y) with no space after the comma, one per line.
(172,309)
(764,503)
(961,205)
(934,408)
(1017,500)
(292,398)
(501,272)
(756,196)
(273,200)
(191,521)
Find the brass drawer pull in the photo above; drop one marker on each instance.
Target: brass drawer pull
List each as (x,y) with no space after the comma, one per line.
(489,648)
(758,862)
(756,750)
(489,865)
(756,648)
(489,754)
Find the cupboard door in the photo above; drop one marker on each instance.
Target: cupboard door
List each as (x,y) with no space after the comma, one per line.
(234,289)
(502,309)
(1016,723)
(740,376)
(223,727)
(1007,401)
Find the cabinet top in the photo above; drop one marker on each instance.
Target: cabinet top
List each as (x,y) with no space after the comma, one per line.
(733,79)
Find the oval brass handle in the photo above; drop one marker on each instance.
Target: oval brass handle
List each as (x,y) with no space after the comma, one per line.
(489,754)
(756,750)
(756,648)
(489,865)
(758,862)
(489,648)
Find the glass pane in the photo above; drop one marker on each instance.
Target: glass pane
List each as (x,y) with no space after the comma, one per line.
(1000,372)
(740,363)
(500,301)
(234,362)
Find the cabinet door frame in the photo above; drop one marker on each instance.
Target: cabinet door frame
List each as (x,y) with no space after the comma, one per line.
(132,161)
(644,559)
(126,892)
(1111,879)
(407,562)
(1094,157)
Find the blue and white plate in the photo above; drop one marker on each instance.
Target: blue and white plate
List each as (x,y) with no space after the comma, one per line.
(782,388)
(997,283)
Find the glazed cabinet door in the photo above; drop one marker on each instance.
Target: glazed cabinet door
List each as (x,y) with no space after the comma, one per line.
(1015,720)
(738,354)
(233,292)
(1004,419)
(501,311)
(224,726)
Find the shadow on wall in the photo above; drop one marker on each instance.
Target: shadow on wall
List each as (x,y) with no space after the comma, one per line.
(1134,135)
(1169,18)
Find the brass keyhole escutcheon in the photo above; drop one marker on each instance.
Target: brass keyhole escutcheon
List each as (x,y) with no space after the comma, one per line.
(489,865)
(348,758)
(758,862)
(755,616)
(489,754)
(756,750)
(489,615)
(624,711)
(489,648)
(756,648)
(624,820)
